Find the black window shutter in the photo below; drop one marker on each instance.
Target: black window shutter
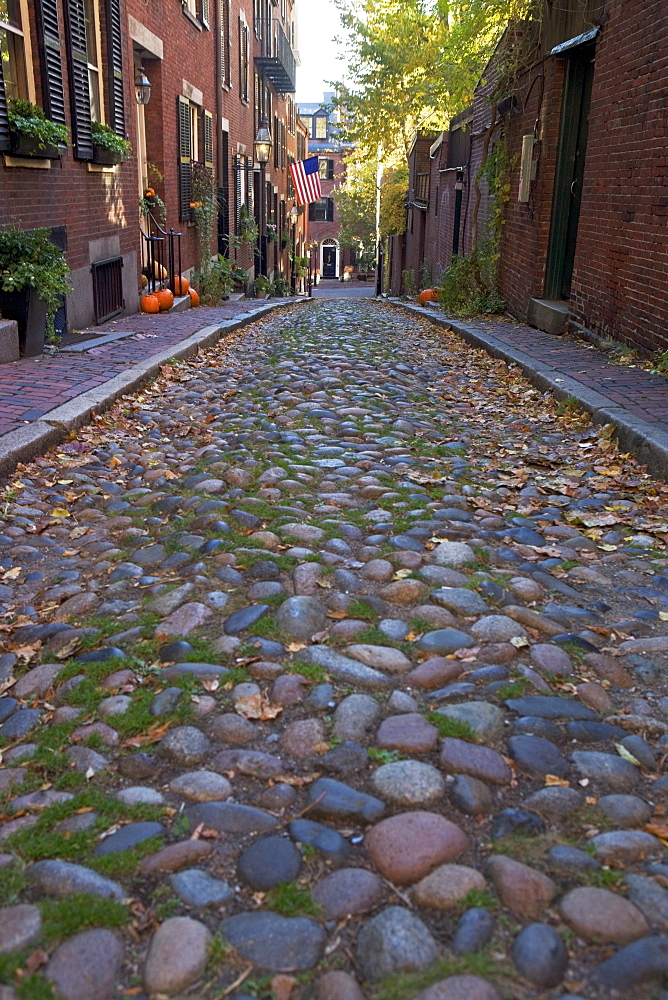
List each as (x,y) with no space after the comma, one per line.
(330,170)
(115,59)
(53,96)
(330,210)
(205,15)
(208,139)
(185,163)
(78,68)
(4,120)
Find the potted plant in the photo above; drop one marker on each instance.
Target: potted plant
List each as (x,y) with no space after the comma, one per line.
(263,287)
(108,148)
(33,277)
(301,266)
(31,133)
(240,277)
(271,232)
(282,287)
(285,239)
(248,231)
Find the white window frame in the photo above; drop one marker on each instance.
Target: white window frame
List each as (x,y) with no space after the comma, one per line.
(24,34)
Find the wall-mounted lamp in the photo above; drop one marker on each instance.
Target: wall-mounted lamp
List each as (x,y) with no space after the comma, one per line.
(263,143)
(142,87)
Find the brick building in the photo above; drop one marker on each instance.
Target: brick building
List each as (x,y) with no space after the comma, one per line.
(328,258)
(214,69)
(584,242)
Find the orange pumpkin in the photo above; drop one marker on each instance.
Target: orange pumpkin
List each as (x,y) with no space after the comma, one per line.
(150,304)
(427,295)
(194,298)
(165,299)
(181,285)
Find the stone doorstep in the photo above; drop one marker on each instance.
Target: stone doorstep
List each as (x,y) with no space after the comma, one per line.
(9,341)
(549,315)
(96,341)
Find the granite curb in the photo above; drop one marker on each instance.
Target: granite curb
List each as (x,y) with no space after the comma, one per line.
(24,443)
(648,443)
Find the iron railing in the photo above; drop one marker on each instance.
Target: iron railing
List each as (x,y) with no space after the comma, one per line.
(160,255)
(276,59)
(108,298)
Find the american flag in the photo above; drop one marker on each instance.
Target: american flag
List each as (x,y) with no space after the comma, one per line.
(306,179)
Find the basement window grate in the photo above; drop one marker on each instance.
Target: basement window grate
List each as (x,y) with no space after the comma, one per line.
(108,298)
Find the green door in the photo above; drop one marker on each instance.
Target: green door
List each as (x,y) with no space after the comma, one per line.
(569,173)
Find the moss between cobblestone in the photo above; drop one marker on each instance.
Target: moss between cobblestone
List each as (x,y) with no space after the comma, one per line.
(483,963)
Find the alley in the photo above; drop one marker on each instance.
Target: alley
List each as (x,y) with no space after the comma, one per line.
(334,669)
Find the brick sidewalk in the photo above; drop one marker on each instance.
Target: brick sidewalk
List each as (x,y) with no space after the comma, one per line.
(31,387)
(638,391)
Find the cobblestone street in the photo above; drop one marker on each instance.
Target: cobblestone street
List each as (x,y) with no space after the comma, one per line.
(333,669)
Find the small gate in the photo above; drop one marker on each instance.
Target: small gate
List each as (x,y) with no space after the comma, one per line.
(108,298)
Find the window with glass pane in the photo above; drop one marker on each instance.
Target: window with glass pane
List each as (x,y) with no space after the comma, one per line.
(93,59)
(12,49)
(321,128)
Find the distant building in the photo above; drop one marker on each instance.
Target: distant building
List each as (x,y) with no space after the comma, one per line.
(323,226)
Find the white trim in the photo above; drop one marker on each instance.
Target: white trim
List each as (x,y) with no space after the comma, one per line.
(330,241)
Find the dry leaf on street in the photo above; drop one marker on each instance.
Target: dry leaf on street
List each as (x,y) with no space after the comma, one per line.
(257,706)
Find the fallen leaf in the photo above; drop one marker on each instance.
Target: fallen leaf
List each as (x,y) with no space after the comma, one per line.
(79,532)
(294,647)
(60,512)
(627,755)
(551,781)
(401,574)
(519,641)
(12,574)
(257,706)
(337,615)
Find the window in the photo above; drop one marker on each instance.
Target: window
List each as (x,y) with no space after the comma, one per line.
(225,43)
(320,127)
(321,211)
(244,47)
(326,169)
(12,49)
(93,53)
(191,7)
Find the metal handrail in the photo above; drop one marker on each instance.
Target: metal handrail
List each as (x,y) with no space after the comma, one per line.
(153,255)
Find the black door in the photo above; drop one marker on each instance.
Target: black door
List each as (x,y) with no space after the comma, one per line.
(329,262)
(570,173)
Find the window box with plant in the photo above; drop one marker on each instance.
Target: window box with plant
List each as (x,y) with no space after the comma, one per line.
(32,134)
(285,239)
(108,148)
(33,277)
(271,232)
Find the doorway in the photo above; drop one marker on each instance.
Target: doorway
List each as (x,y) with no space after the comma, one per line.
(569,174)
(330,259)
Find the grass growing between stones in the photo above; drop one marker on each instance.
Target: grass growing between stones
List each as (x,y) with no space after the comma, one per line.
(360,608)
(42,841)
(61,918)
(408,984)
(447,726)
(292,899)
(12,884)
(312,671)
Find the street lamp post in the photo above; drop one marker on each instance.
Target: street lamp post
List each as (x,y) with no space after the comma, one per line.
(262,147)
(293,273)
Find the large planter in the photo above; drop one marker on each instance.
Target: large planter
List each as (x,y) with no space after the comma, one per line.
(29,311)
(28,146)
(107,157)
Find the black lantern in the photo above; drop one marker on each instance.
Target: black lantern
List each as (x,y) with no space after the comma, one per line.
(142,87)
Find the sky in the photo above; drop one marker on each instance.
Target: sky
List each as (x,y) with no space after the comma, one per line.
(318,22)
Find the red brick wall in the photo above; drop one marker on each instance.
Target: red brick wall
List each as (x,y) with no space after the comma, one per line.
(92,205)
(620,286)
